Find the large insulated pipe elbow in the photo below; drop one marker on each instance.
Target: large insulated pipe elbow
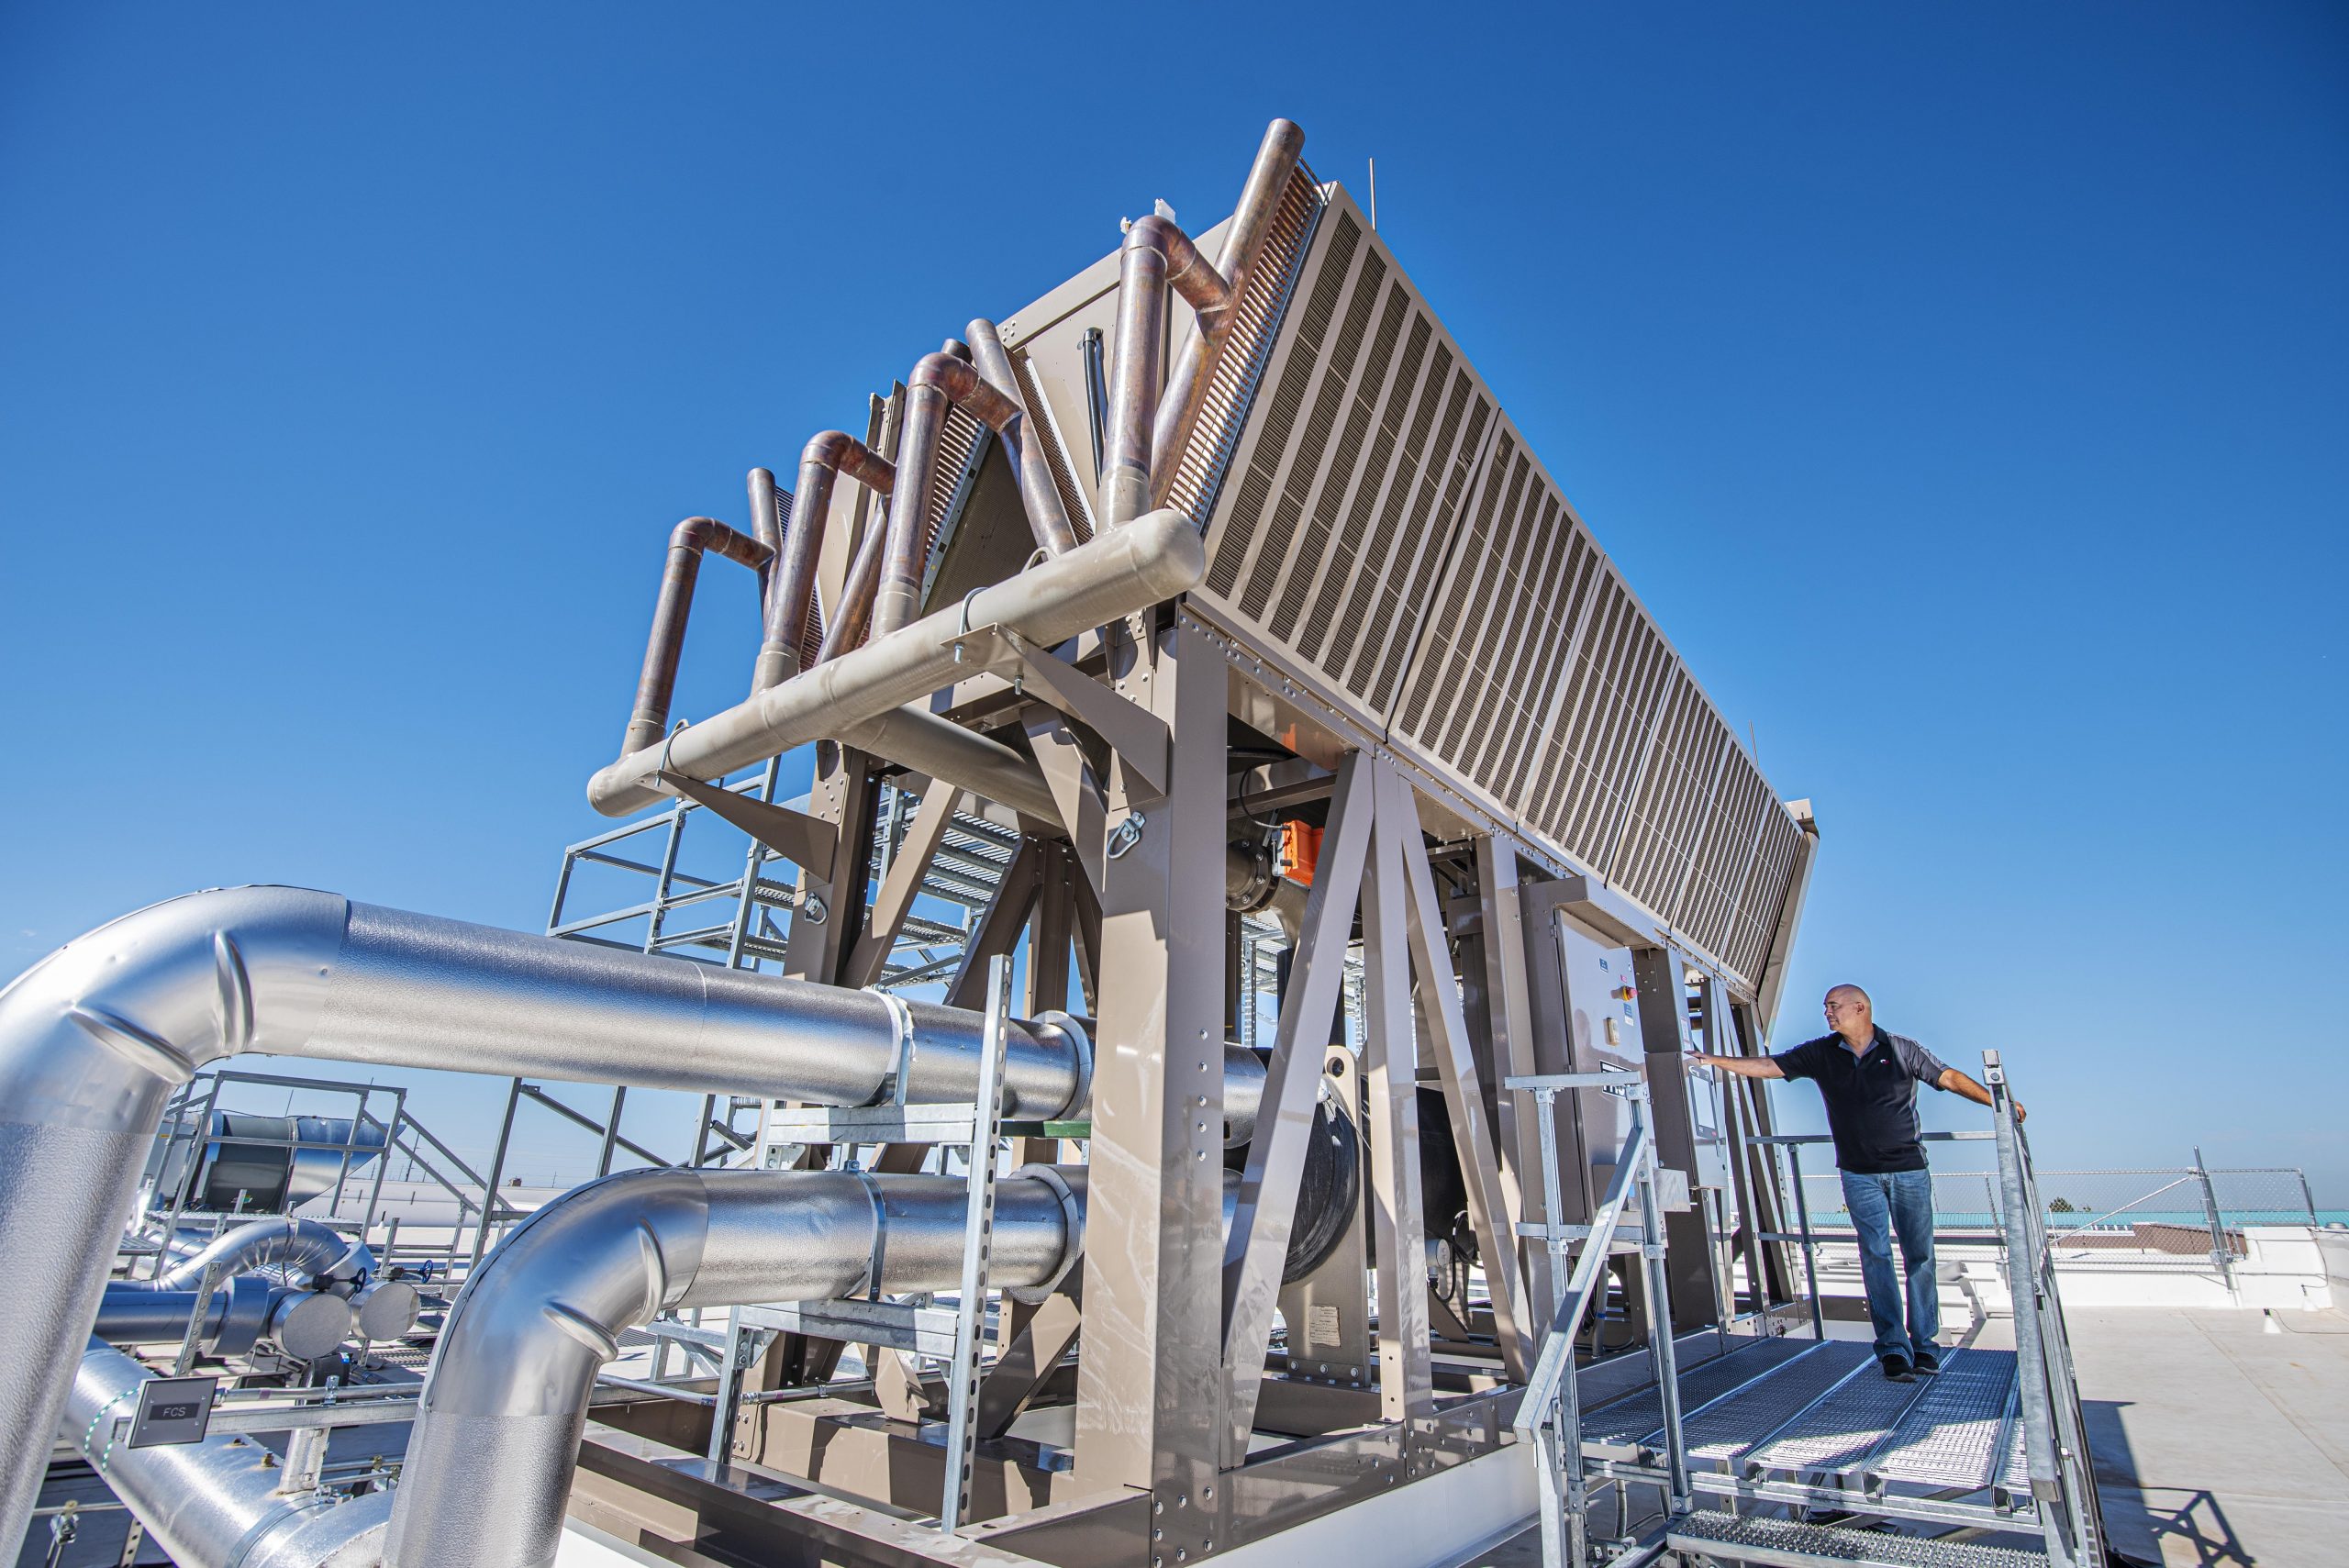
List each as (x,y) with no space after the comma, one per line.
(792,595)
(309,1248)
(508,1389)
(94,1038)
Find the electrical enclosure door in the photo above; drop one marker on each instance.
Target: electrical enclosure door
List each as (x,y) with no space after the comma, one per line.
(1603,1029)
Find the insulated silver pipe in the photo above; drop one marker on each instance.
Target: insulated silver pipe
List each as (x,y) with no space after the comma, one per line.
(235,1315)
(94,1038)
(1122,569)
(306,1247)
(213,1504)
(507,1398)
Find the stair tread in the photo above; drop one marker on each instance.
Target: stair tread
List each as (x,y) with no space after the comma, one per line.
(1722,1433)
(1622,1422)
(1744,1539)
(1846,1427)
(1950,1437)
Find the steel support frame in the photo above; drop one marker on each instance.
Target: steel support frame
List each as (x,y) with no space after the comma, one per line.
(1150,1405)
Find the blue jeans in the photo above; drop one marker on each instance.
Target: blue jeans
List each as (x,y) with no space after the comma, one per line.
(1898,1201)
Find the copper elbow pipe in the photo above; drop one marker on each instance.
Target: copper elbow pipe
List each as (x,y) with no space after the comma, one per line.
(792,594)
(1156,254)
(1047,515)
(1243,246)
(941,379)
(1133,380)
(1192,275)
(658,682)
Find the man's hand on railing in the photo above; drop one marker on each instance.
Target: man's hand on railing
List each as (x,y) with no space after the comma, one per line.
(1958,1083)
(1742,1066)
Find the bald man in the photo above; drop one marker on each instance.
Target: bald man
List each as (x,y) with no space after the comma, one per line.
(1869,1080)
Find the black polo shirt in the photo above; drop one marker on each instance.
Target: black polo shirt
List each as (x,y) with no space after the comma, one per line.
(1871,1097)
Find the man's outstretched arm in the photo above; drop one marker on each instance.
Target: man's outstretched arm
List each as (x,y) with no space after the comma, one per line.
(1957,1083)
(1742,1066)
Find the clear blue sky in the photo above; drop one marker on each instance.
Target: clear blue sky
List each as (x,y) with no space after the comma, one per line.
(1966,390)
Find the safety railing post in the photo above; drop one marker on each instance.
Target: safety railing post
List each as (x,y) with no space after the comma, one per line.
(1659,1302)
(1809,1244)
(2220,1259)
(489,1199)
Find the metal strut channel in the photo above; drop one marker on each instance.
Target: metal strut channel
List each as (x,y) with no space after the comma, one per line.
(978,1238)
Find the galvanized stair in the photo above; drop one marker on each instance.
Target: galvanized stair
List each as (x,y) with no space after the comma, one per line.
(1800,1452)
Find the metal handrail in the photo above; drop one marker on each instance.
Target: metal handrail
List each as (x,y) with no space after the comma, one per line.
(2054,1443)
(1550,1412)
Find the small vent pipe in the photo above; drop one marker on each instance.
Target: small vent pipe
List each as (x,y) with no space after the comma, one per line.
(1156,254)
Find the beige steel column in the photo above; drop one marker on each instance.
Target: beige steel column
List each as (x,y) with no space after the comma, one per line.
(1494,1203)
(1257,1247)
(842,795)
(1390,1075)
(1149,1403)
(1507,1007)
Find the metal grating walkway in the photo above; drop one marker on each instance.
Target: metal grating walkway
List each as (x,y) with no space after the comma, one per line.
(1723,1431)
(1950,1437)
(1728,1537)
(1618,1427)
(1843,1428)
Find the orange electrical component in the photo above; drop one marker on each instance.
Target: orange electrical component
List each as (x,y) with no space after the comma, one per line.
(1300,852)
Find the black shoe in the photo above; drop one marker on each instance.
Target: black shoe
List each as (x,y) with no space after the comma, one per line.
(1896,1370)
(1926,1363)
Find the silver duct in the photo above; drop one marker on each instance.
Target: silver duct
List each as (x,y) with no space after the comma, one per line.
(213,1504)
(320,1254)
(508,1394)
(94,1038)
(132,1312)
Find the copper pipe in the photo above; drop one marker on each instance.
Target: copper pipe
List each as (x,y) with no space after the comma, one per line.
(792,597)
(658,682)
(941,379)
(845,626)
(1134,379)
(896,598)
(1156,254)
(855,615)
(1047,515)
(1243,246)
(766,526)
